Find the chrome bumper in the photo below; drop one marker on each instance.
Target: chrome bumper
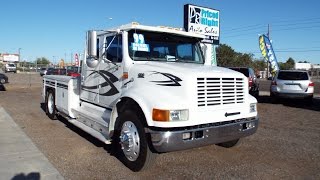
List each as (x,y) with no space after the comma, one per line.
(173,140)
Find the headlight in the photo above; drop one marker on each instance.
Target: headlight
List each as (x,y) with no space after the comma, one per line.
(253,107)
(170,115)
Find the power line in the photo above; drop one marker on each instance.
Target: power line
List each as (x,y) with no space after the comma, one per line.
(260,32)
(275,24)
(285,51)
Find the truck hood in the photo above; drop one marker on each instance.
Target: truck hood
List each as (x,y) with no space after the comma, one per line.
(186,69)
(201,89)
(180,81)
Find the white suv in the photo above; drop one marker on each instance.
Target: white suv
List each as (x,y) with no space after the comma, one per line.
(292,84)
(10,67)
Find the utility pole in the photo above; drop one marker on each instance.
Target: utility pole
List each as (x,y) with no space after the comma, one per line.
(268,35)
(71,56)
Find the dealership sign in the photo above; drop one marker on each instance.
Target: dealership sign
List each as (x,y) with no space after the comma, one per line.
(202,20)
(10,57)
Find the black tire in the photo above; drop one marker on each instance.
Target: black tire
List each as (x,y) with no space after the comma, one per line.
(50,105)
(229,144)
(144,158)
(274,98)
(309,100)
(2,81)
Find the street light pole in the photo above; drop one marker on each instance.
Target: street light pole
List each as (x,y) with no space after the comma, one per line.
(19,53)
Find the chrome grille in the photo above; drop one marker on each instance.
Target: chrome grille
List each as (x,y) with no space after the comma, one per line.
(220,91)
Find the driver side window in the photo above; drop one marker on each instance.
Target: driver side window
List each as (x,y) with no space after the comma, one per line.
(114,52)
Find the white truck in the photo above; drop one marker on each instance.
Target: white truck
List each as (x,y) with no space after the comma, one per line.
(149,90)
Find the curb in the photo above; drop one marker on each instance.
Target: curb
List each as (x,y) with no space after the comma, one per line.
(19,157)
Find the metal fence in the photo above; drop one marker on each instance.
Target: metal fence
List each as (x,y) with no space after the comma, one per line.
(27,67)
(315,74)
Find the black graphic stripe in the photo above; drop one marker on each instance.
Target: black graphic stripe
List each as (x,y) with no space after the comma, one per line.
(109,80)
(174,80)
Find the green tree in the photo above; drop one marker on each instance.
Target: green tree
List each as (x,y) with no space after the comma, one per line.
(42,61)
(225,55)
(259,64)
(290,63)
(243,60)
(228,57)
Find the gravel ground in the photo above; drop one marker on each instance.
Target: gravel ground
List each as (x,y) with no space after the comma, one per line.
(286,145)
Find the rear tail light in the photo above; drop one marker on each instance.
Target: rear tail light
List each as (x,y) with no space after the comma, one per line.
(311,84)
(250,81)
(273,83)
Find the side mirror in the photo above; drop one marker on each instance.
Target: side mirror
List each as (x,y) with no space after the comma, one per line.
(92,60)
(92,43)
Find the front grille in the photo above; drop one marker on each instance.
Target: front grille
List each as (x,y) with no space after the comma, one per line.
(220,91)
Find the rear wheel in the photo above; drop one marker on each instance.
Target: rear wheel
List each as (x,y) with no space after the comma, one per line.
(274,98)
(51,105)
(309,100)
(131,142)
(2,81)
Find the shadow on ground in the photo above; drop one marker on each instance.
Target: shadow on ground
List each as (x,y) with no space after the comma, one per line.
(109,148)
(296,103)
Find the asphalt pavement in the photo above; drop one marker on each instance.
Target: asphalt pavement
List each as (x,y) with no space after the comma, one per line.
(19,157)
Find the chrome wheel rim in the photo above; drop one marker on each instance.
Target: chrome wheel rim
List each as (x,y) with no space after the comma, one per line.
(130,141)
(2,81)
(50,103)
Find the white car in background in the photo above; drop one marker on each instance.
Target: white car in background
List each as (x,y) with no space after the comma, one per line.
(10,67)
(295,84)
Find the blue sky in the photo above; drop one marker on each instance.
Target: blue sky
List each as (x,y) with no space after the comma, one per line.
(56,28)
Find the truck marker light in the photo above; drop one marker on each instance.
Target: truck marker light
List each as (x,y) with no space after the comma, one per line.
(253,107)
(160,115)
(125,75)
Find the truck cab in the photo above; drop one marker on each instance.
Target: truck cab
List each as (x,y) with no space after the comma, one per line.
(150,90)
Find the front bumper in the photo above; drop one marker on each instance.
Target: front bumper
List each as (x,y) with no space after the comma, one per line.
(11,70)
(166,140)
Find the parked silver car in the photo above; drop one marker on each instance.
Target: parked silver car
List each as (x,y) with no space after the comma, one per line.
(292,84)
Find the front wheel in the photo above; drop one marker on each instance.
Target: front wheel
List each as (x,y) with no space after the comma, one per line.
(2,81)
(131,142)
(50,105)
(229,144)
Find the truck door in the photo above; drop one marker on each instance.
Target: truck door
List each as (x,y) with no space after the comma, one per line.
(89,79)
(111,71)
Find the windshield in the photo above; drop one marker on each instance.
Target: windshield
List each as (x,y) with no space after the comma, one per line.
(287,75)
(11,65)
(156,46)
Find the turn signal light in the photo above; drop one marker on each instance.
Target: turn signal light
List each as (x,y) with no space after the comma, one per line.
(160,115)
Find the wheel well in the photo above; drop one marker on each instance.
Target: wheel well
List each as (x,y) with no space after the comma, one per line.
(49,89)
(130,104)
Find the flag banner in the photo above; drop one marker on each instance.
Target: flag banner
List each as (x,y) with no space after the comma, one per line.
(268,53)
